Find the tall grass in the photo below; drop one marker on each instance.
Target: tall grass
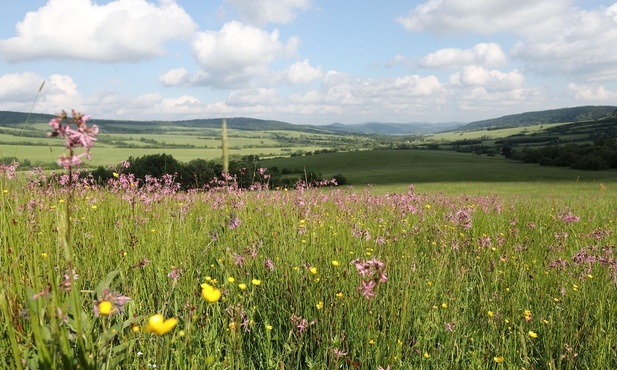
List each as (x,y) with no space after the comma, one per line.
(468,281)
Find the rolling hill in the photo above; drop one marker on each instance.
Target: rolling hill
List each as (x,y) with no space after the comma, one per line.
(563,115)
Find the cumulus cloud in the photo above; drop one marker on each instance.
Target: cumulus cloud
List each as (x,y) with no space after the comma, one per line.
(121,30)
(232,56)
(253,97)
(555,37)
(302,72)
(591,92)
(261,12)
(491,80)
(481,16)
(483,54)
(580,45)
(19,90)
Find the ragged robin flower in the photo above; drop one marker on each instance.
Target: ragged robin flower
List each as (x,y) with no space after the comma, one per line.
(158,325)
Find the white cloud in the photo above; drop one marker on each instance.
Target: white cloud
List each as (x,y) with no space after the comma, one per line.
(252,97)
(491,80)
(483,54)
(19,86)
(580,46)
(302,72)
(555,37)
(174,77)
(121,30)
(592,93)
(232,56)
(261,12)
(19,90)
(481,16)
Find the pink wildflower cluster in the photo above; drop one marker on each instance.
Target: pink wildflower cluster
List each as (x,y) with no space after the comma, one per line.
(372,274)
(80,137)
(116,299)
(9,169)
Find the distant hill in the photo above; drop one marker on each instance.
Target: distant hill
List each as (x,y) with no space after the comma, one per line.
(243,123)
(124,126)
(584,113)
(383,128)
(563,115)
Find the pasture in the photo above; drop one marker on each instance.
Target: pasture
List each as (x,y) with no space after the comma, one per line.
(304,278)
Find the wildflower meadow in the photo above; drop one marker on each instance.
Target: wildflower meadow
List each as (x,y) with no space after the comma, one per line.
(136,274)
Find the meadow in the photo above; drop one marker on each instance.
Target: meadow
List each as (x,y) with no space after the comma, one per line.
(138,275)
(448,261)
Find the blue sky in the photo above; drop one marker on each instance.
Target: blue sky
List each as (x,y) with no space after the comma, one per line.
(307,61)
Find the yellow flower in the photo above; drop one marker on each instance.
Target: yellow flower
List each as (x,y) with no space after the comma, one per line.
(319,305)
(115,174)
(230,280)
(498,359)
(135,328)
(210,293)
(268,327)
(158,325)
(490,313)
(532,334)
(242,286)
(339,294)
(106,308)
(426,355)
(444,305)
(313,270)
(335,263)
(255,281)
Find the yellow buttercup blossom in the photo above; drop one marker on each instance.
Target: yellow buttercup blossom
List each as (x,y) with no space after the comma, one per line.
(242,286)
(532,334)
(210,293)
(106,308)
(498,359)
(490,313)
(255,281)
(313,270)
(319,305)
(335,263)
(230,279)
(158,325)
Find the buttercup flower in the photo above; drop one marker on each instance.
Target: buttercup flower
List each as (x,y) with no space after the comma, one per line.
(532,334)
(109,303)
(255,281)
(106,308)
(210,293)
(498,359)
(158,325)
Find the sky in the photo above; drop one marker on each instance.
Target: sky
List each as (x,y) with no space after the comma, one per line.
(307,61)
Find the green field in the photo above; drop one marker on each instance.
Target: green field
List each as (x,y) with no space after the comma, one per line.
(310,278)
(443,170)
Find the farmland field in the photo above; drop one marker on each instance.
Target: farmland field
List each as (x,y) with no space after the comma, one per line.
(304,278)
